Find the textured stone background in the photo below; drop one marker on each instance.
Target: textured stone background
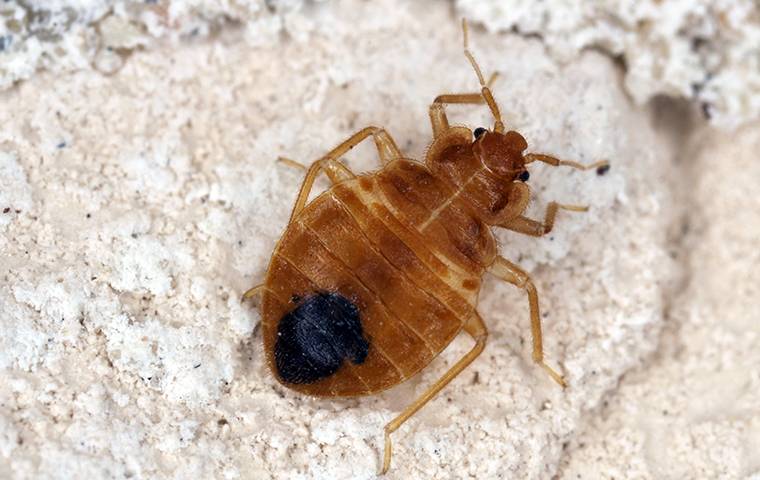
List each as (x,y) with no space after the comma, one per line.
(139,198)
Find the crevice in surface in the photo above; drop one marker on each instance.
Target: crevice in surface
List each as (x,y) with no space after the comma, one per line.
(678,123)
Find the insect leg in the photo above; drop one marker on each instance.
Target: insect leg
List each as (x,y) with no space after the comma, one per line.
(509,272)
(386,147)
(534,228)
(556,162)
(437,111)
(252,292)
(335,171)
(474,327)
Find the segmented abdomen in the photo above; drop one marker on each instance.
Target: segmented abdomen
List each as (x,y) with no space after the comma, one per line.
(412,299)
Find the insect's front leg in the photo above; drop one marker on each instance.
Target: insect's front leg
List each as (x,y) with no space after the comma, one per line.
(528,226)
(534,228)
(475,328)
(509,272)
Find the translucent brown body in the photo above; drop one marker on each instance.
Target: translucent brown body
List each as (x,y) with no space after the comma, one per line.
(377,275)
(406,245)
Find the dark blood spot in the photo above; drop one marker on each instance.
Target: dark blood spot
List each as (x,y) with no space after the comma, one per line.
(479,131)
(314,339)
(603,169)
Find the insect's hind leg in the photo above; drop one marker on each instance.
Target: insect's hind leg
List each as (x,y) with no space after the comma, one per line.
(509,272)
(438,119)
(477,329)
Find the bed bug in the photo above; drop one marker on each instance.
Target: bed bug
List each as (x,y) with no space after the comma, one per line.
(378,274)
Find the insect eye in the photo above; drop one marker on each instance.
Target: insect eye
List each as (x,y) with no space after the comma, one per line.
(479,131)
(524,176)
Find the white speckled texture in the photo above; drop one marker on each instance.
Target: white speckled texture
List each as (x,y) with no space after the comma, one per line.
(694,412)
(137,206)
(708,52)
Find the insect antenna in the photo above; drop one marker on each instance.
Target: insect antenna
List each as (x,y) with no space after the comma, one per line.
(484,90)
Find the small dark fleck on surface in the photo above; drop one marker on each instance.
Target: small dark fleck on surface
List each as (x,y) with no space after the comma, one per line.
(134,235)
(6,209)
(5,41)
(61,145)
(706,111)
(551,239)
(603,169)
(196,366)
(88,215)
(222,421)
(93,278)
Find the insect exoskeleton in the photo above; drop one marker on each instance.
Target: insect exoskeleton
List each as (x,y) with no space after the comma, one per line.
(378,274)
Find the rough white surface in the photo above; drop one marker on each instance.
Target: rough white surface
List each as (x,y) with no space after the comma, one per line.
(695,411)
(141,204)
(706,51)
(69,35)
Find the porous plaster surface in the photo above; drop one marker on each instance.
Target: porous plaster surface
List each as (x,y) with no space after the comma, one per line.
(137,206)
(694,410)
(707,51)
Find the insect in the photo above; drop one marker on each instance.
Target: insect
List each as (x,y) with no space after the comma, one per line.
(378,274)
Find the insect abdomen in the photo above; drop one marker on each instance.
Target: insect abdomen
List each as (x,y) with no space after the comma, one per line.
(407,313)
